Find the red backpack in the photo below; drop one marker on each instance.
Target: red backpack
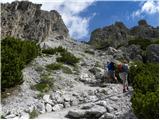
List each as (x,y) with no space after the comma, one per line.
(119,66)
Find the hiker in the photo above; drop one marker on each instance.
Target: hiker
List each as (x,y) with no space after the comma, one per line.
(123,73)
(121,69)
(110,71)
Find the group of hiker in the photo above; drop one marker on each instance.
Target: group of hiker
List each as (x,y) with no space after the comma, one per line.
(115,68)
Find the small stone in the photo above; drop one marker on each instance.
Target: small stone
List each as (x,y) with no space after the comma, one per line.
(109,109)
(47,99)
(48,107)
(67,104)
(102,103)
(107,116)
(24,116)
(41,107)
(67,98)
(57,107)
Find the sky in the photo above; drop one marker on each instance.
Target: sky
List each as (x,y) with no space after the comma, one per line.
(83,16)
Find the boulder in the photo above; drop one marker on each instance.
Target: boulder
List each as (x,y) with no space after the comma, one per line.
(86,78)
(57,107)
(153,53)
(107,116)
(48,107)
(47,99)
(41,107)
(57,97)
(67,104)
(95,112)
(76,114)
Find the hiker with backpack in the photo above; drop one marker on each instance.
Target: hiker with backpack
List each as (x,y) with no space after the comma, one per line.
(121,69)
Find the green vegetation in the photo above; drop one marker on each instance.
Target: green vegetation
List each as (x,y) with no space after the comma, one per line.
(45,84)
(53,51)
(68,58)
(33,114)
(54,66)
(15,55)
(145,100)
(66,70)
(142,42)
(89,52)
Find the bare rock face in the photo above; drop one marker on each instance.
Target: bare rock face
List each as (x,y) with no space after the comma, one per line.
(153,53)
(118,34)
(113,35)
(26,20)
(145,31)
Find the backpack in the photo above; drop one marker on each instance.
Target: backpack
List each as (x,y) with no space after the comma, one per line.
(119,67)
(125,68)
(110,66)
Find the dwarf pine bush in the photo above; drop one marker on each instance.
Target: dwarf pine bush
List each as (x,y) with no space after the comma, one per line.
(145,99)
(15,54)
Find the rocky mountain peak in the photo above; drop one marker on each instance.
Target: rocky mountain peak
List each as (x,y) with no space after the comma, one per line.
(26,20)
(142,22)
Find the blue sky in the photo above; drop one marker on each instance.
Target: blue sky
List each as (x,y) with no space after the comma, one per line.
(83,16)
(109,12)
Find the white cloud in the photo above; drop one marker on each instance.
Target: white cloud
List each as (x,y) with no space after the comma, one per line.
(78,26)
(147,7)
(70,11)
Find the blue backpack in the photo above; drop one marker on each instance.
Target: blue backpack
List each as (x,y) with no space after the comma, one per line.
(110,66)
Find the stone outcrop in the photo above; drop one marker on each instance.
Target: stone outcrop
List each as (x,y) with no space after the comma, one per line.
(118,34)
(26,20)
(113,35)
(153,53)
(145,31)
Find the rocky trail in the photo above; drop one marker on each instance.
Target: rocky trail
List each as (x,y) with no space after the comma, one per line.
(77,95)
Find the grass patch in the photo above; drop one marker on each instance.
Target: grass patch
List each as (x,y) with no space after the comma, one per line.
(68,58)
(33,114)
(66,70)
(45,84)
(53,51)
(54,66)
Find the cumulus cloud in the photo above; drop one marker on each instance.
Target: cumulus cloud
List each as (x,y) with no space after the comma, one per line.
(148,7)
(70,11)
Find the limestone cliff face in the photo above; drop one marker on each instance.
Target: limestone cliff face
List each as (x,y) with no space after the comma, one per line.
(118,34)
(26,20)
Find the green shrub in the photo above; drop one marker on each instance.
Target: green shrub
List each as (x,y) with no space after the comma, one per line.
(53,51)
(42,87)
(89,52)
(68,58)
(66,70)
(33,114)
(145,99)
(15,55)
(45,84)
(54,66)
